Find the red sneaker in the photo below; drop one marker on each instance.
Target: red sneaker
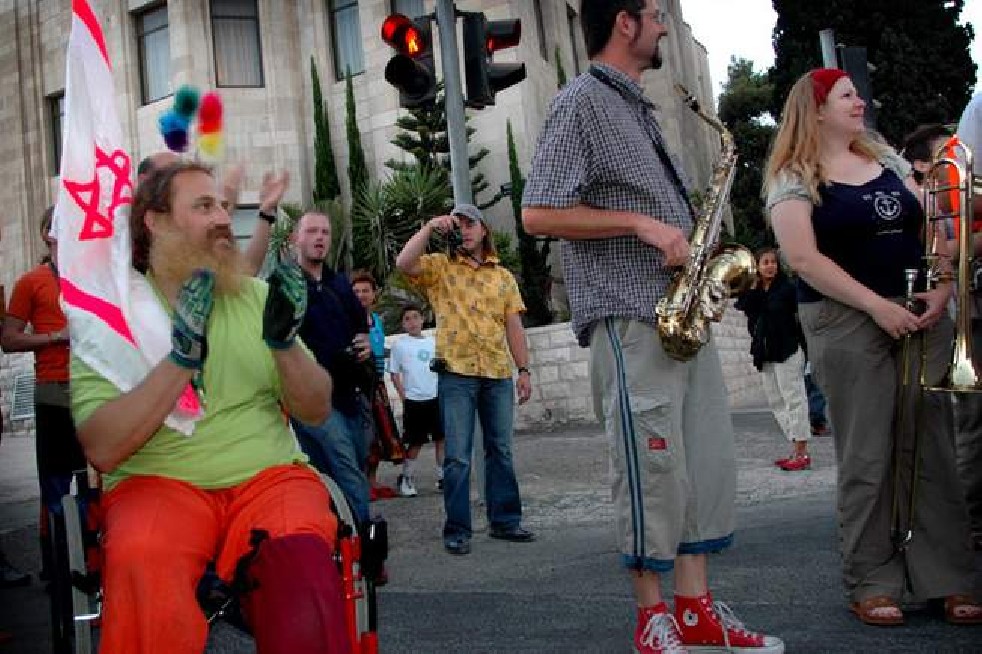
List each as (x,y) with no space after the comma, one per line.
(797,463)
(708,626)
(657,632)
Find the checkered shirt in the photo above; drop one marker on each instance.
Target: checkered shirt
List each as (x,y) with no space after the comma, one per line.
(597,148)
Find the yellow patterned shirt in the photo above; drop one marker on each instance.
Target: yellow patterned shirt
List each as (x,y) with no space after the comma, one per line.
(470,305)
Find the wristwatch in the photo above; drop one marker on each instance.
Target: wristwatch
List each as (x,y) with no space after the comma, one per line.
(268,217)
(522,369)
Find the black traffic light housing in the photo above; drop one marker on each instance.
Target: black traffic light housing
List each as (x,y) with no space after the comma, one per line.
(412,69)
(482,38)
(853,60)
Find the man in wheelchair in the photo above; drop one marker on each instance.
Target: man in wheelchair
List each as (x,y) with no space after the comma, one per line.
(238,489)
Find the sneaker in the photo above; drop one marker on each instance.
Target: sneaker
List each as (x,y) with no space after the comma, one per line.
(11,577)
(821,430)
(382,492)
(657,632)
(439,478)
(708,626)
(796,463)
(459,546)
(406,486)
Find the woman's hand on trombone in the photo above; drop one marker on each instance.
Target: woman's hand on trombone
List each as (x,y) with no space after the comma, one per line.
(893,318)
(936,302)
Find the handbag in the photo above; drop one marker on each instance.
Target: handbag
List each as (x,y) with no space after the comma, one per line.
(386,431)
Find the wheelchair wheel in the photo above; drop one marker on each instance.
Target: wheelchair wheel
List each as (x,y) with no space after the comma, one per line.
(74,606)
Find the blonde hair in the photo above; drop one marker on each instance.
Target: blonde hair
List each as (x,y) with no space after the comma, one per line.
(797,148)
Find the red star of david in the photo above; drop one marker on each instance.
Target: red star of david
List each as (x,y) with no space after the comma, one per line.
(88,195)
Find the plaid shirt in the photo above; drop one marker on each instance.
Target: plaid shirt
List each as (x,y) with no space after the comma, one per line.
(597,148)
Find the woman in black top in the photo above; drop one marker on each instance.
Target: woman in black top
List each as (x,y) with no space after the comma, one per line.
(772,320)
(846,213)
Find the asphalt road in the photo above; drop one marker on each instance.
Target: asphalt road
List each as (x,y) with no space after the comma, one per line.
(566,592)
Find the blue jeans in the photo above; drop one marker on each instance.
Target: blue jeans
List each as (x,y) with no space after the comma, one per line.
(494,401)
(337,448)
(816,403)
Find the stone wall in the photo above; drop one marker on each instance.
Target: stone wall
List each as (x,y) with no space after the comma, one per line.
(12,365)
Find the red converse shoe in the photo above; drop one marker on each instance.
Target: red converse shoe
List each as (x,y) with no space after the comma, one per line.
(708,626)
(657,632)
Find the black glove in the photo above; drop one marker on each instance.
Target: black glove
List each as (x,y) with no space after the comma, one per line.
(286,305)
(194,303)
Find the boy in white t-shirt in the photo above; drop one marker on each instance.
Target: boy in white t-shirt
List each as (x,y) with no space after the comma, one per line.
(409,365)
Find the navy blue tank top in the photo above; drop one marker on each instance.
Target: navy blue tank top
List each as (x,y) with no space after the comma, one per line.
(873,231)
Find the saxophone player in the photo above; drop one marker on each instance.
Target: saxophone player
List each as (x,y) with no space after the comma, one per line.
(602,181)
(845,211)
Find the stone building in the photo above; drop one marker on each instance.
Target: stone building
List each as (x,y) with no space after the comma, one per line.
(257,53)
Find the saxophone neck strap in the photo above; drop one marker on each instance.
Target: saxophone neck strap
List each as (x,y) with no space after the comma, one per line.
(651,128)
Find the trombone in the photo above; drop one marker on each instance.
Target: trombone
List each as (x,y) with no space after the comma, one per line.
(948,194)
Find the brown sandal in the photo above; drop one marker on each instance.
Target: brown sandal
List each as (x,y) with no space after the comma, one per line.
(869,611)
(962,609)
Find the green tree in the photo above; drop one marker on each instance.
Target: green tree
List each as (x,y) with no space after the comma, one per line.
(326,184)
(560,71)
(924,71)
(535,273)
(744,107)
(357,168)
(424,135)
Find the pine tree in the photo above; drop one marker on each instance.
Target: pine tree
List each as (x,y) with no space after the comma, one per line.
(560,71)
(535,270)
(326,184)
(424,135)
(924,71)
(357,168)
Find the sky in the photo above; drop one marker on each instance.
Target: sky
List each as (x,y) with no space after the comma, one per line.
(713,24)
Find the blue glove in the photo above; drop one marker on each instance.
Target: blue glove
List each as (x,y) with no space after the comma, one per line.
(194,303)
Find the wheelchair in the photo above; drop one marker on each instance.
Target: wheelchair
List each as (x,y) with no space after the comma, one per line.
(76,589)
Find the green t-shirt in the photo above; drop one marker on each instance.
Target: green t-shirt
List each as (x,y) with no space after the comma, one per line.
(243,430)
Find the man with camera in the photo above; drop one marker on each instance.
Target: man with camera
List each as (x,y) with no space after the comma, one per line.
(478,322)
(336,331)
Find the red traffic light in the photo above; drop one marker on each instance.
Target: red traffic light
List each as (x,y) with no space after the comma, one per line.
(402,34)
(502,34)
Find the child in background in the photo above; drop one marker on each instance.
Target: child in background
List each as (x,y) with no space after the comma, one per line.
(409,365)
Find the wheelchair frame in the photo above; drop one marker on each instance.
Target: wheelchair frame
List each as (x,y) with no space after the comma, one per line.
(76,589)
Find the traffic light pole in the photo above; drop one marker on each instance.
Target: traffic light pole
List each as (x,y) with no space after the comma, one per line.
(446,18)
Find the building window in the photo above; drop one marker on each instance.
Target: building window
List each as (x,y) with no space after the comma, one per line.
(411,8)
(153,38)
(540,29)
(244,219)
(574,27)
(346,36)
(56,107)
(238,55)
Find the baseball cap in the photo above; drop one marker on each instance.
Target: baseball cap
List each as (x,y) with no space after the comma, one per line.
(468,211)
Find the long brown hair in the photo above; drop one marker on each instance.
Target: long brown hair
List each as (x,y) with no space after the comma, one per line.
(154,194)
(797,147)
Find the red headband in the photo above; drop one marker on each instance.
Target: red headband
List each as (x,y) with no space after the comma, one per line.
(823,79)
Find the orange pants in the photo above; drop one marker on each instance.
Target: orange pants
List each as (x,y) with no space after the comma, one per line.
(160,534)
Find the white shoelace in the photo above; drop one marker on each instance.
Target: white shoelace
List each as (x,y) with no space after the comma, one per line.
(662,632)
(729,620)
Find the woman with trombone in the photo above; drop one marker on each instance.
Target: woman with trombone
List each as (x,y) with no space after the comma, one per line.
(844,211)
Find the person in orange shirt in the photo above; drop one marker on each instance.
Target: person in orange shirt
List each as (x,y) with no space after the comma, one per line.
(34,302)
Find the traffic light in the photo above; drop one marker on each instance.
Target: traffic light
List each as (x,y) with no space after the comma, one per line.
(854,62)
(412,69)
(482,38)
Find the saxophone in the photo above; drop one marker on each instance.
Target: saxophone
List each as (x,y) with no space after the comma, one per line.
(698,293)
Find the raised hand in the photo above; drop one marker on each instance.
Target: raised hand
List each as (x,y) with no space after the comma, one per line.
(189,345)
(273,188)
(285,307)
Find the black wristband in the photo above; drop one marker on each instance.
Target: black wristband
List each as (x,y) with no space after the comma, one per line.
(268,217)
(522,369)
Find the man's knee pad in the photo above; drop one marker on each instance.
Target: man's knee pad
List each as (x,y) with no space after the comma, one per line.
(295,605)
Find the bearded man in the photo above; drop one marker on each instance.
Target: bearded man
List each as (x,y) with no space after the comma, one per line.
(238,486)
